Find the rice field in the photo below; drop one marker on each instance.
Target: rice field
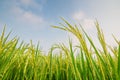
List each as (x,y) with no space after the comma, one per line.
(26,61)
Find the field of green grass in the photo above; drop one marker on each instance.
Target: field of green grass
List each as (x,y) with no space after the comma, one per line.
(22,61)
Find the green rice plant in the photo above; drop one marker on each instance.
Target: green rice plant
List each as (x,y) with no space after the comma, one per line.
(102,68)
(25,61)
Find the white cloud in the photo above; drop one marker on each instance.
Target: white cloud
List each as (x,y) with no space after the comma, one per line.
(78,15)
(88,23)
(31,18)
(28,4)
(27,17)
(83,19)
(17,11)
(75,41)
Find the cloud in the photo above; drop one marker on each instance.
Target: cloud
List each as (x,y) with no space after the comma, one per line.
(74,39)
(27,18)
(88,23)
(17,10)
(78,15)
(31,4)
(27,2)
(32,18)
(83,19)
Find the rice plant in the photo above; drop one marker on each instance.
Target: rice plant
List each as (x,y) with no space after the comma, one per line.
(25,61)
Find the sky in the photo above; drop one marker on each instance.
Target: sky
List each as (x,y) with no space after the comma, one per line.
(32,19)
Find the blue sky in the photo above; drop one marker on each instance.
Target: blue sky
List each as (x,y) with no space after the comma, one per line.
(31,19)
